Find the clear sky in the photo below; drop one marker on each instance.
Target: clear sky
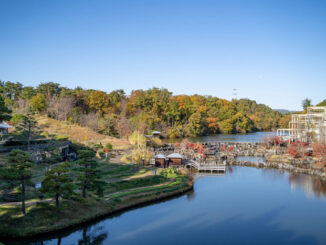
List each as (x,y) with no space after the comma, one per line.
(272,51)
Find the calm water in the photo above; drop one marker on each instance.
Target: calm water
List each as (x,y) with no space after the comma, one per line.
(252,137)
(244,206)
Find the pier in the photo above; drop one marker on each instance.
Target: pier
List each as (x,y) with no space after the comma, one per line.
(206,166)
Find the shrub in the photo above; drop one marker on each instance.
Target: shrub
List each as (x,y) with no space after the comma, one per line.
(297,149)
(61,137)
(169,172)
(272,140)
(108,146)
(126,159)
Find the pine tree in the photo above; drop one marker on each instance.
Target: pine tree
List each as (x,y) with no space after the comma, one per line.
(28,128)
(18,171)
(89,176)
(4,111)
(58,182)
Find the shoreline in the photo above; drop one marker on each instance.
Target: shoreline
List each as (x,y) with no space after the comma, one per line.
(282,166)
(100,215)
(135,203)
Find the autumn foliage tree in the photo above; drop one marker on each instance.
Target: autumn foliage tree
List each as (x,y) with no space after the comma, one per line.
(117,114)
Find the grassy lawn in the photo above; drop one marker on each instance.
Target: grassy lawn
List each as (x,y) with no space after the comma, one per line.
(126,186)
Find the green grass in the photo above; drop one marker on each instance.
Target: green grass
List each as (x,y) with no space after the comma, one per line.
(135,183)
(44,216)
(154,188)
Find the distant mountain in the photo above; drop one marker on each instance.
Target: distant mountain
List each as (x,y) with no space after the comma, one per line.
(283,111)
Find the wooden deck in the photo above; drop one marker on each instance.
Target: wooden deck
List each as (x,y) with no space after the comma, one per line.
(206,167)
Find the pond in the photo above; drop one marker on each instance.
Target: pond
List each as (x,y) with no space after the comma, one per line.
(244,206)
(252,137)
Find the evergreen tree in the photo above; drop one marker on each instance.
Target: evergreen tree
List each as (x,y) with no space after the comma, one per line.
(18,171)
(89,177)
(58,182)
(4,111)
(28,128)
(306,103)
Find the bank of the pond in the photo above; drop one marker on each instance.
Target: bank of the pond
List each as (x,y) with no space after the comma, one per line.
(76,213)
(278,165)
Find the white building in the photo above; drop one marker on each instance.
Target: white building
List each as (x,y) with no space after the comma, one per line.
(309,127)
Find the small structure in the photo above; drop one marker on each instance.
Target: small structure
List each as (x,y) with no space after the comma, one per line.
(156,134)
(4,127)
(159,160)
(175,159)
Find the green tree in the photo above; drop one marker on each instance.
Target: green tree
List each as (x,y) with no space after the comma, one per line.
(18,171)
(196,124)
(38,102)
(89,175)
(306,103)
(227,126)
(137,139)
(4,111)
(49,90)
(12,90)
(28,128)
(58,182)
(17,118)
(28,92)
(323,103)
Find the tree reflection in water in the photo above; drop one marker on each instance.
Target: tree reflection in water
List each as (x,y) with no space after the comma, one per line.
(92,237)
(312,185)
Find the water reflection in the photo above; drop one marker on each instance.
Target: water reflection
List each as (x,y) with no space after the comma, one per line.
(246,206)
(92,237)
(312,186)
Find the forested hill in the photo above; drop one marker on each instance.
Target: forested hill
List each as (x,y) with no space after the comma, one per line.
(118,114)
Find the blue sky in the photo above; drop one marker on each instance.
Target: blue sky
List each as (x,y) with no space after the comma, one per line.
(271,51)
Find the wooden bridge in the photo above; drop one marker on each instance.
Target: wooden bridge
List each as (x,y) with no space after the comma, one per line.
(206,167)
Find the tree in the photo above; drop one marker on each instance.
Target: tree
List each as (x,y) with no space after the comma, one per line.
(58,182)
(38,103)
(99,101)
(28,128)
(137,139)
(12,90)
(227,126)
(306,103)
(18,171)
(4,111)
(28,93)
(60,107)
(49,90)
(88,177)
(196,125)
(323,103)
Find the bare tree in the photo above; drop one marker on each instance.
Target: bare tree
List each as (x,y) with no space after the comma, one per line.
(60,107)
(123,127)
(91,121)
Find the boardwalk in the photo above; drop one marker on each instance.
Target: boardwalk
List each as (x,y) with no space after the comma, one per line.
(206,167)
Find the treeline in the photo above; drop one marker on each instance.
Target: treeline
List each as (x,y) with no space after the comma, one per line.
(117,114)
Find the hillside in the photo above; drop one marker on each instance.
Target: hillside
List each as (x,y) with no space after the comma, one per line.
(77,133)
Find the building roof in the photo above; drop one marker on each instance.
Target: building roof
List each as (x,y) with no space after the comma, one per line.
(5,125)
(175,155)
(159,156)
